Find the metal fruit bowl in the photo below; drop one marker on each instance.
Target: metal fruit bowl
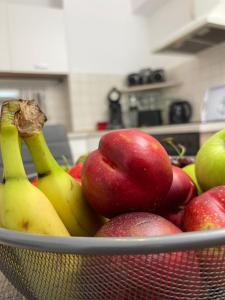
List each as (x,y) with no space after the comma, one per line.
(157,268)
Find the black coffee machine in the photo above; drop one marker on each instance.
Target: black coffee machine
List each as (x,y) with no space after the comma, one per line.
(115,111)
(180,111)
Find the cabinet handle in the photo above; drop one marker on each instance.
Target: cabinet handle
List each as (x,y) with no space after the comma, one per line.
(41,66)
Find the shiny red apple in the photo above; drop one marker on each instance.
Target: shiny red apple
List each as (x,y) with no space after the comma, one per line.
(205,212)
(175,216)
(76,170)
(182,189)
(34,181)
(154,276)
(137,224)
(181,192)
(130,171)
(181,161)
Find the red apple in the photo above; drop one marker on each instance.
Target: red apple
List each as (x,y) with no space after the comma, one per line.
(181,161)
(205,212)
(34,181)
(181,192)
(130,171)
(154,276)
(137,224)
(182,189)
(76,170)
(175,216)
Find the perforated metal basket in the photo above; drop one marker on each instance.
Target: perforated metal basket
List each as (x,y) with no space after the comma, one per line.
(177,267)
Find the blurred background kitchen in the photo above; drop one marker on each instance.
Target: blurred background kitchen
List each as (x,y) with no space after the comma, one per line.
(98,65)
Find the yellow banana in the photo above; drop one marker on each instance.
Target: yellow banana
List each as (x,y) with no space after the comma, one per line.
(64,192)
(1,192)
(23,206)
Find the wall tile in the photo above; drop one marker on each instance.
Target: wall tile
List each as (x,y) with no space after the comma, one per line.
(88,98)
(197,75)
(55,102)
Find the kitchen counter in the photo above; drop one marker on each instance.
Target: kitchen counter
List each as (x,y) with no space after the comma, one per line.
(85,141)
(163,129)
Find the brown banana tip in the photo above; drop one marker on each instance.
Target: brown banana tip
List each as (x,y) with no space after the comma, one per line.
(29,120)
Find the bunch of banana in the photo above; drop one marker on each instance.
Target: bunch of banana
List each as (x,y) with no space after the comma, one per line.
(23,207)
(1,194)
(62,190)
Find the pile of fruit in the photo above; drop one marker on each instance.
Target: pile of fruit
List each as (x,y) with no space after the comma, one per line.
(120,189)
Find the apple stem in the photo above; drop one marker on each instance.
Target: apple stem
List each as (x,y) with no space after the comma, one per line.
(180,149)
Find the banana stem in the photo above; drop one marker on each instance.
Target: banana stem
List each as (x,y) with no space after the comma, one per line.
(29,121)
(43,160)
(10,142)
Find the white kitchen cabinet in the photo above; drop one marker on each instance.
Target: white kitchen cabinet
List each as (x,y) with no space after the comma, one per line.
(37,39)
(4,44)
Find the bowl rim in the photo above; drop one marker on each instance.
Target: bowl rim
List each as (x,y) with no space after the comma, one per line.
(114,246)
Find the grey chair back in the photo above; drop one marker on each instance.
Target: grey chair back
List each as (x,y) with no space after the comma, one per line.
(57,140)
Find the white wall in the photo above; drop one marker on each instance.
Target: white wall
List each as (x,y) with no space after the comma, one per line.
(202,7)
(165,21)
(89,103)
(169,18)
(106,41)
(146,7)
(106,37)
(48,3)
(205,71)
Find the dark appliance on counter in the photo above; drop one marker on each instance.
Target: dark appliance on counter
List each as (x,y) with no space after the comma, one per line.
(149,112)
(115,111)
(180,112)
(149,118)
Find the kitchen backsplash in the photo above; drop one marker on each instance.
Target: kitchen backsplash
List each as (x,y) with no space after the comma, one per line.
(88,96)
(88,92)
(53,96)
(197,75)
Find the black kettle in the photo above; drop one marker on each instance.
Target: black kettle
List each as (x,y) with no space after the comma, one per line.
(180,112)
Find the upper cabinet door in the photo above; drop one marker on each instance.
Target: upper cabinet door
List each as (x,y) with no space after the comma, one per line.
(4,45)
(37,39)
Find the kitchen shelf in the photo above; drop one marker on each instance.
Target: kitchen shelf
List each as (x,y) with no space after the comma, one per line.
(20,75)
(149,87)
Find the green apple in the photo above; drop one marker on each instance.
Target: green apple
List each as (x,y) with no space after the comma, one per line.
(190,171)
(210,162)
